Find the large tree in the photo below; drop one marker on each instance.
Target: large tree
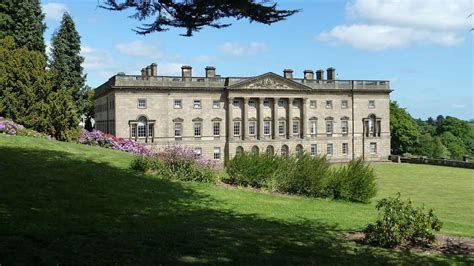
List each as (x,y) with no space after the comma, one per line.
(23,20)
(196,14)
(66,60)
(403,129)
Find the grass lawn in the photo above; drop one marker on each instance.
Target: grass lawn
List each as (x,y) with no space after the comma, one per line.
(74,204)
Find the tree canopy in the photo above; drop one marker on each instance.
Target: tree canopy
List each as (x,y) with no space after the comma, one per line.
(197,14)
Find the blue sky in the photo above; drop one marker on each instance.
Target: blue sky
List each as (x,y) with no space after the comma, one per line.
(424,47)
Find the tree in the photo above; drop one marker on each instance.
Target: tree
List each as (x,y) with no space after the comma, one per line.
(194,15)
(66,60)
(403,129)
(23,20)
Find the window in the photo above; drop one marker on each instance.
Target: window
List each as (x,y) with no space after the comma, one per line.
(313,150)
(344,104)
(236,103)
(178,128)
(178,104)
(252,104)
(266,127)
(296,127)
(373,148)
(252,126)
(216,104)
(266,103)
(299,150)
(312,104)
(255,150)
(329,104)
(236,128)
(197,104)
(150,130)
(270,149)
(141,127)
(216,128)
(312,127)
(197,153)
(141,103)
(329,127)
(217,153)
(295,103)
(281,128)
(239,150)
(197,129)
(284,150)
(371,104)
(345,148)
(329,149)
(281,103)
(344,127)
(133,134)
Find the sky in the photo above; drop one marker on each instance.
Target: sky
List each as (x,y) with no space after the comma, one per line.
(423,47)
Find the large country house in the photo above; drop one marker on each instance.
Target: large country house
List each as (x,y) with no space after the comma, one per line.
(223,116)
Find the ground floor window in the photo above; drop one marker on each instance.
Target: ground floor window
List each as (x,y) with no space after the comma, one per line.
(345,148)
(313,150)
(217,153)
(197,153)
(284,150)
(373,147)
(329,149)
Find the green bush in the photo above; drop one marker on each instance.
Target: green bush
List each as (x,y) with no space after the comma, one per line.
(72,135)
(399,223)
(354,181)
(251,169)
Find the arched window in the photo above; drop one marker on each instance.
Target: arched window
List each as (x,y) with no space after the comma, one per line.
(239,150)
(299,150)
(284,150)
(255,150)
(372,126)
(270,149)
(141,126)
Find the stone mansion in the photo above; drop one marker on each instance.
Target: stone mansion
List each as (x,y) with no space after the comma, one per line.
(223,116)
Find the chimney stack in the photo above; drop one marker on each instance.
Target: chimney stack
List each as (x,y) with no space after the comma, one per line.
(331,73)
(320,74)
(186,72)
(148,71)
(308,75)
(210,72)
(143,72)
(154,70)
(288,73)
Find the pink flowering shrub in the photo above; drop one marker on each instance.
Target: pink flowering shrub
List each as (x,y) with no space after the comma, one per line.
(99,138)
(11,128)
(177,162)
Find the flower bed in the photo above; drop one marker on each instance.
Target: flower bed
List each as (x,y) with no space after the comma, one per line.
(11,128)
(99,138)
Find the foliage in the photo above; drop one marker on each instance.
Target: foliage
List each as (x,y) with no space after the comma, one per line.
(404,132)
(194,15)
(98,138)
(11,128)
(305,175)
(401,223)
(66,60)
(178,163)
(23,20)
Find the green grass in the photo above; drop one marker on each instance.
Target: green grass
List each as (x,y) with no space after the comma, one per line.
(74,204)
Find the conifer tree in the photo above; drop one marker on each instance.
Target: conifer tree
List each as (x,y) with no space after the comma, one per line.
(23,20)
(66,60)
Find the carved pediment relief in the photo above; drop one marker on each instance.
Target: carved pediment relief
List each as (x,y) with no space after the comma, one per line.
(269,81)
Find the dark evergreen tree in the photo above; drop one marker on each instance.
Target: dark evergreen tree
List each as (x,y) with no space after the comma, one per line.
(194,15)
(23,20)
(66,61)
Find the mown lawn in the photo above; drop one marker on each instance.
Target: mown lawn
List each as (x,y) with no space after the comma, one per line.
(67,203)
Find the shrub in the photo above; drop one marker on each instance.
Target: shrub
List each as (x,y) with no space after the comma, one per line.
(72,135)
(354,181)
(252,169)
(399,223)
(98,138)
(11,128)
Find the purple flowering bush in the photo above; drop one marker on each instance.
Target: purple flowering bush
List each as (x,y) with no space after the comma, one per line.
(179,163)
(11,128)
(99,138)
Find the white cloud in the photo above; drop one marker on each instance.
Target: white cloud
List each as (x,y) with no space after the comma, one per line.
(236,49)
(141,49)
(54,11)
(169,69)
(206,59)
(97,59)
(391,24)
(378,37)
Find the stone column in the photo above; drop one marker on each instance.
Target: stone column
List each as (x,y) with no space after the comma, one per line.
(245,118)
(230,118)
(304,119)
(275,118)
(260,118)
(289,132)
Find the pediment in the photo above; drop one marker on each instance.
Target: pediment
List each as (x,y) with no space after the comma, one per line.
(268,81)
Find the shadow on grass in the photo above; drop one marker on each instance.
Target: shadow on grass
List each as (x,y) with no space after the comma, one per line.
(58,208)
